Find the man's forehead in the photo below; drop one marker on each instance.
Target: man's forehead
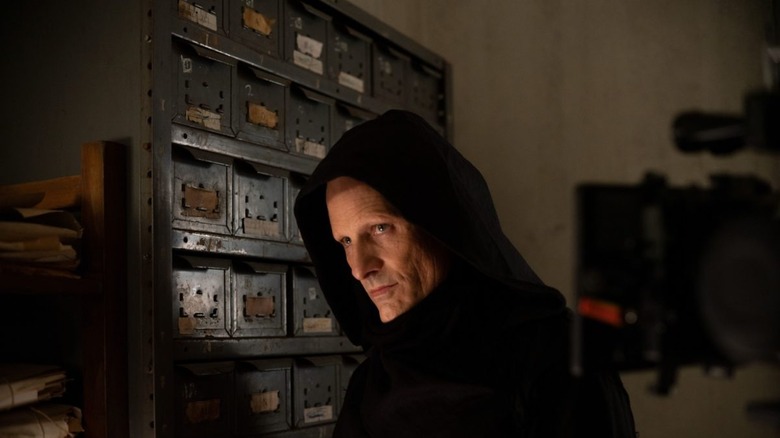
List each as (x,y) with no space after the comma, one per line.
(345,187)
(348,186)
(342,183)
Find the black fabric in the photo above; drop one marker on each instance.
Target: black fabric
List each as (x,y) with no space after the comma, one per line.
(433,186)
(486,353)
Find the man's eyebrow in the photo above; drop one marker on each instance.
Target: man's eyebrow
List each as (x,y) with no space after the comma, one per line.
(390,215)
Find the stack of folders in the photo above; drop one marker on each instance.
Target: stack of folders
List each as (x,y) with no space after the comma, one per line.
(39,241)
(26,409)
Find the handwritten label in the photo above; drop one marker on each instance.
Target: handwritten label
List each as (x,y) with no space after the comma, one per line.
(198,15)
(200,202)
(341,46)
(317,325)
(264,402)
(308,46)
(260,115)
(204,117)
(310,148)
(386,67)
(306,61)
(257,227)
(205,410)
(259,306)
(352,82)
(318,414)
(258,22)
(187,325)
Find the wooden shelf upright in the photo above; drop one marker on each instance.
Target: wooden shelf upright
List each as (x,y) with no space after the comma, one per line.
(99,195)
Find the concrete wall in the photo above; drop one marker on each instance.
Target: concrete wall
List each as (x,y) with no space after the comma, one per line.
(69,76)
(549,94)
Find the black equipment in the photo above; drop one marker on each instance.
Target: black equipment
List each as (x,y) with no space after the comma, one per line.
(673,276)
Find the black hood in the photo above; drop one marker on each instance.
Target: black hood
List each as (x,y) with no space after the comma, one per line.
(434,187)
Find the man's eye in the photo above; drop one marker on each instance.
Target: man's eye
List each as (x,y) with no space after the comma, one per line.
(346,241)
(381,228)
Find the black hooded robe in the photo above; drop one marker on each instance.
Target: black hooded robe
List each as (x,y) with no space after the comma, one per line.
(486,353)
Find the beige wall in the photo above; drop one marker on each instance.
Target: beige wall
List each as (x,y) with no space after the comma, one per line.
(549,94)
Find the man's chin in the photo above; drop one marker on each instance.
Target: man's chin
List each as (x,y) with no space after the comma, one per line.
(387,315)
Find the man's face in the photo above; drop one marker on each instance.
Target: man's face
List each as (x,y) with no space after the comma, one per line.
(397,263)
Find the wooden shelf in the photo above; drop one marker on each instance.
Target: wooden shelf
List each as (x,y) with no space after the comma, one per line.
(13,283)
(99,194)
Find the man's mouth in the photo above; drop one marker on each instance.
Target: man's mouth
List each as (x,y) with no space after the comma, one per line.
(380,290)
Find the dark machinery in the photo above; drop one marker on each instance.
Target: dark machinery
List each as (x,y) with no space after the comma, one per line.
(672,276)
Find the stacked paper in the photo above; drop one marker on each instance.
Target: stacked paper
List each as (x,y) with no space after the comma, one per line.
(25,391)
(44,421)
(39,238)
(22,384)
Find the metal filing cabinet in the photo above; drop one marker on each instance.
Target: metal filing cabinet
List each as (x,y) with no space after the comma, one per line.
(350,57)
(310,311)
(201,188)
(226,107)
(347,117)
(425,89)
(259,299)
(309,122)
(260,91)
(263,396)
(206,13)
(306,36)
(203,83)
(261,101)
(389,72)
(297,182)
(256,24)
(261,202)
(203,399)
(201,289)
(315,383)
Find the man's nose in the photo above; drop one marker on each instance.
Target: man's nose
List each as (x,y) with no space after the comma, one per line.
(363,260)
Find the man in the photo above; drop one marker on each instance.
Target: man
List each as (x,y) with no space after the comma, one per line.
(462,338)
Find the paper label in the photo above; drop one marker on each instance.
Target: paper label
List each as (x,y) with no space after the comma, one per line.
(198,15)
(186,64)
(385,67)
(303,60)
(352,82)
(257,227)
(187,325)
(258,22)
(199,202)
(312,293)
(317,325)
(259,306)
(318,414)
(341,46)
(263,402)
(310,148)
(204,117)
(205,410)
(308,46)
(260,115)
